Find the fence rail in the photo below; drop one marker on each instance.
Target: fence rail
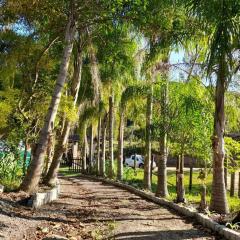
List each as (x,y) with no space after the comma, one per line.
(74,164)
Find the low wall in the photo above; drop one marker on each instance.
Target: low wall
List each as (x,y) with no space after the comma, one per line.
(40,198)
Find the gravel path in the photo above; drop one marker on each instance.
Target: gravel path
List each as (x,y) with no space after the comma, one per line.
(90,209)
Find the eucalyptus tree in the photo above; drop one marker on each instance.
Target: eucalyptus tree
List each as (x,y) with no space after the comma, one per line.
(220,20)
(32,178)
(50,178)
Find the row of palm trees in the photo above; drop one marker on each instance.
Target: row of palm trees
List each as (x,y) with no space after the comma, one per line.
(222,29)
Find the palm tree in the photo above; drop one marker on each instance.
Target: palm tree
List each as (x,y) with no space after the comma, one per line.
(110,137)
(148,143)
(130,93)
(222,17)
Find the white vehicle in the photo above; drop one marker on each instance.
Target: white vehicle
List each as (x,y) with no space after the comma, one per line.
(139,161)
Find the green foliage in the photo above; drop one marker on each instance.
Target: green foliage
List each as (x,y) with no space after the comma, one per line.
(10,168)
(232,148)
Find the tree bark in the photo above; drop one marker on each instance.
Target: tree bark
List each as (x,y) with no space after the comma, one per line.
(98,147)
(91,151)
(51,176)
(49,155)
(218,197)
(103,148)
(32,178)
(232,186)
(190,178)
(120,146)
(162,190)
(226,177)
(148,146)
(84,151)
(203,203)
(180,180)
(239,184)
(25,157)
(111,119)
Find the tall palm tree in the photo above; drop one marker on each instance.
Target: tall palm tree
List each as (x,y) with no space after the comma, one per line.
(222,17)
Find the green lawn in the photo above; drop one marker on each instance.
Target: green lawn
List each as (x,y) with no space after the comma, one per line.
(135,179)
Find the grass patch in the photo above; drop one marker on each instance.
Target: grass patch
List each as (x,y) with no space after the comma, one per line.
(135,178)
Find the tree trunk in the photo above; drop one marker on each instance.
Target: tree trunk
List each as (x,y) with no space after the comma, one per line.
(226,177)
(32,178)
(25,157)
(203,203)
(148,147)
(162,190)
(190,178)
(120,145)
(218,198)
(180,180)
(232,186)
(84,153)
(103,147)
(111,116)
(49,154)
(51,176)
(94,71)
(61,147)
(98,147)
(239,184)
(91,151)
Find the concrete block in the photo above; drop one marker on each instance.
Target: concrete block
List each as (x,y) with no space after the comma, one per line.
(39,199)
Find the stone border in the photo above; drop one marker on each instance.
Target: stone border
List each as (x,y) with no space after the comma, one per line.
(40,198)
(189,212)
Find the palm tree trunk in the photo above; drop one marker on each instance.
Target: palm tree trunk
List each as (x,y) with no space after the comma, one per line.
(180,180)
(84,153)
(239,184)
(103,147)
(32,178)
(98,147)
(120,146)
(218,197)
(190,178)
(111,114)
(226,177)
(162,190)
(148,153)
(91,151)
(232,186)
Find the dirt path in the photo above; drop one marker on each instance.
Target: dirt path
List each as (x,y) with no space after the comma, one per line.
(91,210)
